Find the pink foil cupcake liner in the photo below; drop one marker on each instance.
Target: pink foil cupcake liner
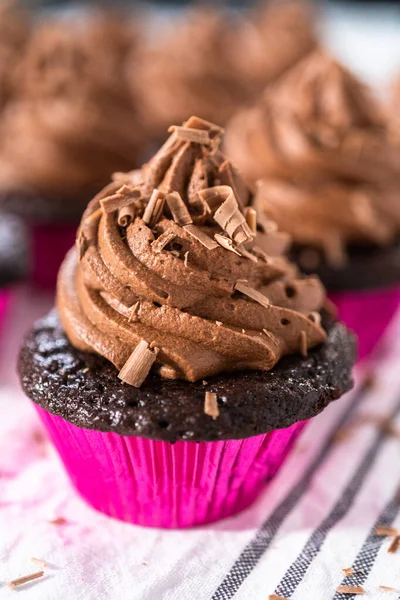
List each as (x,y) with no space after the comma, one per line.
(50,243)
(159,484)
(5,299)
(368,314)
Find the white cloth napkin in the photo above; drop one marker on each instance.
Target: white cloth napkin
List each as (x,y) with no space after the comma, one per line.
(316,518)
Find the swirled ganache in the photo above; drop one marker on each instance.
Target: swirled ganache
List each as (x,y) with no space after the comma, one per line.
(173,270)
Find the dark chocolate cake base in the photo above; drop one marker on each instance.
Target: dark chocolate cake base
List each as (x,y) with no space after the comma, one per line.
(367,268)
(13,250)
(84,389)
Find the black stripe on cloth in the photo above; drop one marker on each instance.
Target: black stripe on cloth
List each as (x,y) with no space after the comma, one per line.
(298,569)
(365,559)
(252,553)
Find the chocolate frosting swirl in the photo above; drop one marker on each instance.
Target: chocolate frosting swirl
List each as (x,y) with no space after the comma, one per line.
(74,121)
(275,37)
(320,132)
(317,121)
(190,69)
(147,267)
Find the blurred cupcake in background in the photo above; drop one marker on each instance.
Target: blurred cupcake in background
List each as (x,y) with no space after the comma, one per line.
(274,38)
(14,35)
(189,68)
(320,147)
(71,124)
(13,260)
(212,61)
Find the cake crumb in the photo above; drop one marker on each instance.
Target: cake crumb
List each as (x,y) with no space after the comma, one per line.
(395,545)
(350,589)
(25,579)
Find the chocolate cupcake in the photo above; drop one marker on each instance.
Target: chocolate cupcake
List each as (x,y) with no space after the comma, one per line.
(319,144)
(13,259)
(275,36)
(71,124)
(189,68)
(187,353)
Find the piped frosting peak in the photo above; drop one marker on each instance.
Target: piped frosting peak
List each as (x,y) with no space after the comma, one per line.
(172,257)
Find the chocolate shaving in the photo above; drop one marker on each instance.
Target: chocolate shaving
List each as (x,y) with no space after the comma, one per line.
(303,344)
(201,237)
(245,289)
(271,337)
(350,589)
(395,545)
(58,521)
(211,405)
(122,198)
(164,239)
(229,217)
(133,312)
(276,597)
(126,215)
(40,563)
(186,258)
(82,244)
(154,208)
(248,254)
(386,531)
(385,588)
(315,317)
(90,224)
(198,123)
(188,134)
(138,365)
(226,243)
(251,219)
(349,571)
(178,209)
(26,579)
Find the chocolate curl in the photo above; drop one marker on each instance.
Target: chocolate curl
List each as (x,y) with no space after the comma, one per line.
(124,197)
(126,215)
(165,238)
(138,365)
(247,290)
(229,217)
(187,134)
(211,405)
(201,237)
(154,208)
(178,209)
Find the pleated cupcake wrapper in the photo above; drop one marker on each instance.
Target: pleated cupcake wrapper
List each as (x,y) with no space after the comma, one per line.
(368,314)
(5,301)
(50,243)
(159,484)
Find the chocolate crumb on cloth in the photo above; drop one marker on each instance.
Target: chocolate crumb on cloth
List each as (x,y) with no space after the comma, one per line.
(161,296)
(25,579)
(350,589)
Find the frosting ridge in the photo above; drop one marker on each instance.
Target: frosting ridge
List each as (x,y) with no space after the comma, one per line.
(172,255)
